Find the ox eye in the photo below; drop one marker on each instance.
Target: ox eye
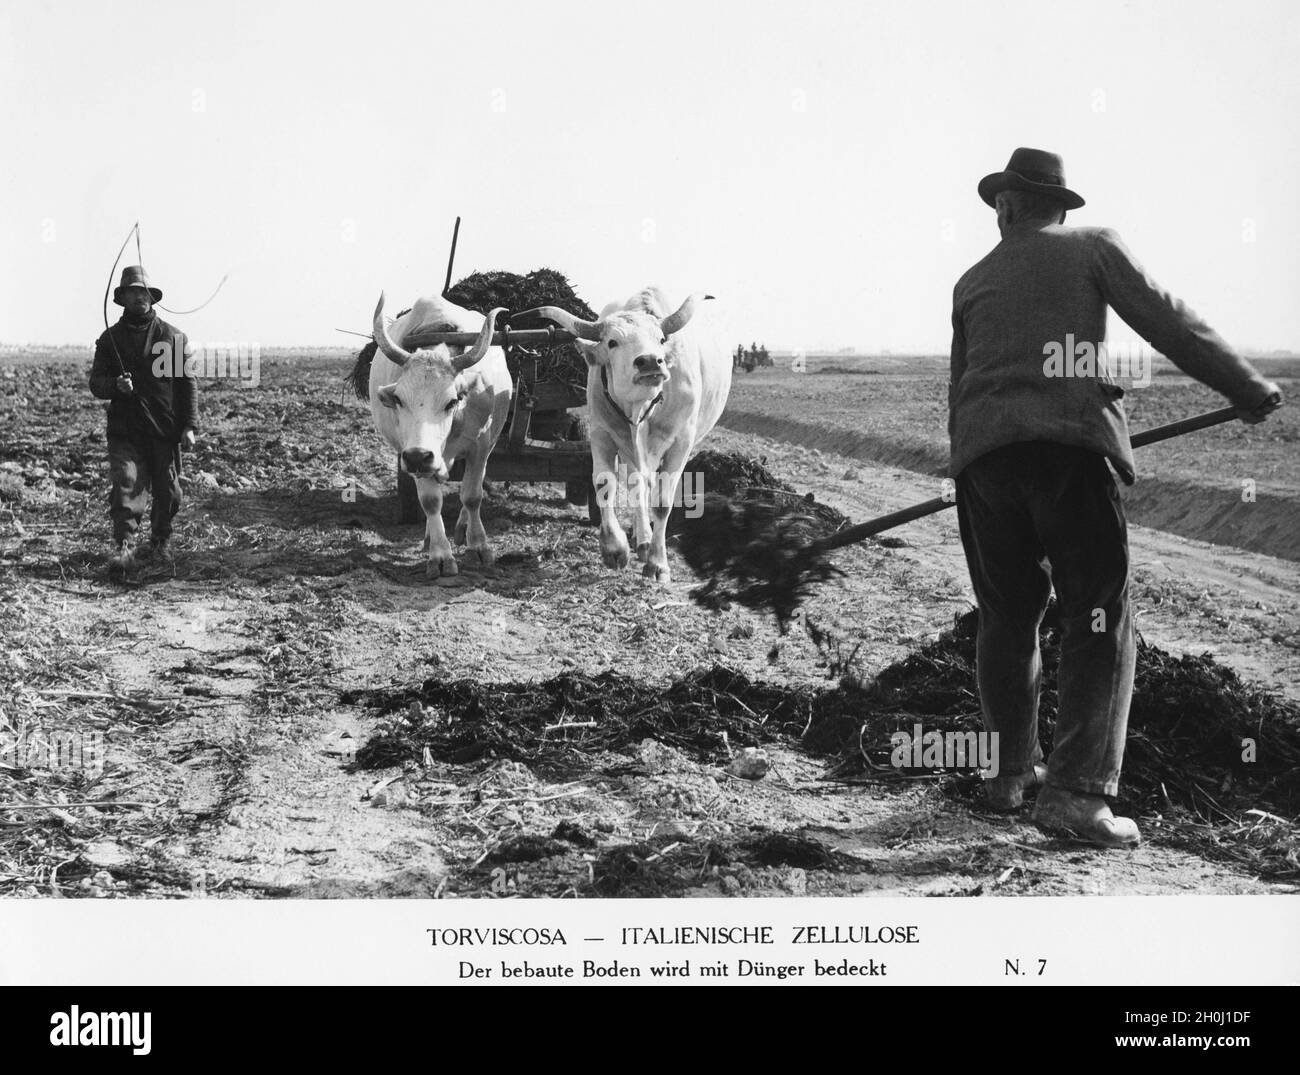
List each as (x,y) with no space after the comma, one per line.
(664,340)
(613,344)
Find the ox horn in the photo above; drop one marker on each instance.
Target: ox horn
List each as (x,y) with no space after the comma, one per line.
(677,321)
(391,351)
(475,354)
(584,330)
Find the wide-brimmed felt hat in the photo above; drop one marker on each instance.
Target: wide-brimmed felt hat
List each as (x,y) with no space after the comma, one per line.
(1033,170)
(135,276)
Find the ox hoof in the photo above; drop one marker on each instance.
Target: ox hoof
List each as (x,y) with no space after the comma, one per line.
(485,555)
(440,568)
(613,548)
(657,574)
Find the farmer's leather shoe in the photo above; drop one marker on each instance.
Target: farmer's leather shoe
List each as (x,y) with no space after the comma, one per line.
(1008,792)
(121,556)
(1086,817)
(158,550)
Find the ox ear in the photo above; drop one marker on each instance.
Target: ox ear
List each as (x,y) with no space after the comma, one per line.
(594,353)
(388,395)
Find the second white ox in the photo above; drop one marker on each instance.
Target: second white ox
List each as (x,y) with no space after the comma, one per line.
(437,404)
(657,383)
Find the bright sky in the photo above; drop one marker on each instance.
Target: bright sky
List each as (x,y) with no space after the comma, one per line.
(812,164)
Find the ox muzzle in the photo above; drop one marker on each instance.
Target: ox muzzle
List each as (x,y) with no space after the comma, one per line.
(423,463)
(650,369)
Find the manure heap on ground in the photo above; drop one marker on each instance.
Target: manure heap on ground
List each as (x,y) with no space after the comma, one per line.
(1187,770)
(1184,775)
(739,477)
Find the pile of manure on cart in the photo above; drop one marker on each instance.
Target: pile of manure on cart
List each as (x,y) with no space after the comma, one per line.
(484,291)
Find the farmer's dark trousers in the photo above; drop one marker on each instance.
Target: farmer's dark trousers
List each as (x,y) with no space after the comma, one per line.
(1016,506)
(138,467)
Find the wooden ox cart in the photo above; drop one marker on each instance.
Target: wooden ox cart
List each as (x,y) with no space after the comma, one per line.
(542,440)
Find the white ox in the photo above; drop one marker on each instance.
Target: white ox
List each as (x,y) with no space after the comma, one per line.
(657,383)
(436,405)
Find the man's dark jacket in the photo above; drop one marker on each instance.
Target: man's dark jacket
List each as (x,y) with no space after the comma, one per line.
(165,401)
(1037,287)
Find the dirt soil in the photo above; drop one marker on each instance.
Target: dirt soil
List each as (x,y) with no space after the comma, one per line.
(229,688)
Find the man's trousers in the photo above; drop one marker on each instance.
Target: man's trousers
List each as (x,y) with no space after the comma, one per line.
(137,468)
(1037,516)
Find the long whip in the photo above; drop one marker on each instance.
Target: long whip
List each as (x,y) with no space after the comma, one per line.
(108,289)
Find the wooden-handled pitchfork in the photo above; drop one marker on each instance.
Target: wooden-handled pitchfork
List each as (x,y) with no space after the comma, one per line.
(746,551)
(861,531)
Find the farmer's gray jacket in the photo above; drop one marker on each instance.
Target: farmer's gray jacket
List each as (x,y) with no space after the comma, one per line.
(162,407)
(1037,287)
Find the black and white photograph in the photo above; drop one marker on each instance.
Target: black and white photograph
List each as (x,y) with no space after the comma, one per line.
(598,482)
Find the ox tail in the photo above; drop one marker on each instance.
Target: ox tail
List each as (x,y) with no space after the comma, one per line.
(652,300)
(359,378)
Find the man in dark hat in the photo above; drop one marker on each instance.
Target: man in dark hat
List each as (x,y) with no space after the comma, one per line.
(1037,506)
(140,368)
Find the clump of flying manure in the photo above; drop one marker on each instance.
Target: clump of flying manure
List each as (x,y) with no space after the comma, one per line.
(768,553)
(770,544)
(748,534)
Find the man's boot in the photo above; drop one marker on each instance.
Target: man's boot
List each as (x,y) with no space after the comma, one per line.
(121,555)
(1007,793)
(1086,817)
